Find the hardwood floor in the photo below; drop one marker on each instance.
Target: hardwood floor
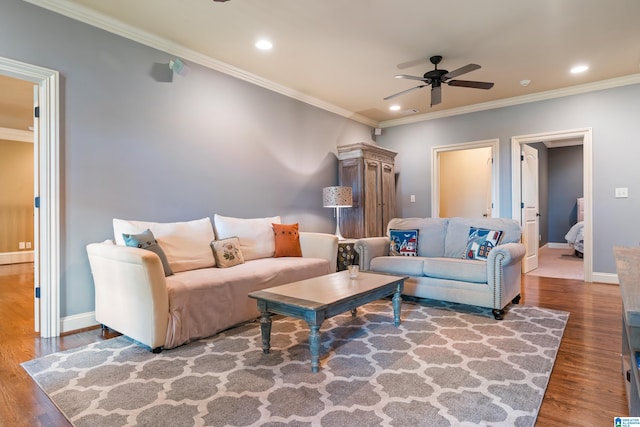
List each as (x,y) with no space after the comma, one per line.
(586,387)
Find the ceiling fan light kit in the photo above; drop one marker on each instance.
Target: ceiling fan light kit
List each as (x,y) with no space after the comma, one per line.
(436,77)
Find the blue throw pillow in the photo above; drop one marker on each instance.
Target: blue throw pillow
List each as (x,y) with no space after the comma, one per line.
(480,243)
(403,242)
(146,240)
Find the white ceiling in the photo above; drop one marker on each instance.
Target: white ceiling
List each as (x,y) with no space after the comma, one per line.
(342,55)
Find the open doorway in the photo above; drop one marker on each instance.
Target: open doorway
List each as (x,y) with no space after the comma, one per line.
(46,238)
(465,180)
(530,217)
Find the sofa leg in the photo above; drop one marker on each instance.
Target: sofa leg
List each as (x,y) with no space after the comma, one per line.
(516,300)
(156,350)
(498,314)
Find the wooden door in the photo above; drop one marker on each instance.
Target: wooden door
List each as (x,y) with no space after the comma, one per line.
(372,199)
(388,187)
(352,219)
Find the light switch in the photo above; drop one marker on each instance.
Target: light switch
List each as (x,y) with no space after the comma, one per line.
(622,192)
(412,198)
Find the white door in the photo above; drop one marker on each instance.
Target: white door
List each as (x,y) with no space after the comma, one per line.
(36,214)
(530,207)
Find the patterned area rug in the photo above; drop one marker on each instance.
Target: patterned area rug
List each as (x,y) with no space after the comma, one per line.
(443,366)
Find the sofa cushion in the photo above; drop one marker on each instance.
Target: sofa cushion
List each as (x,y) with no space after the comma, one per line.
(227,252)
(464,270)
(412,266)
(403,242)
(255,234)
(431,233)
(458,233)
(480,243)
(186,244)
(146,240)
(287,240)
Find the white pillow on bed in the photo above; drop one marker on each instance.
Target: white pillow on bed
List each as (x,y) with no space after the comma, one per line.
(186,244)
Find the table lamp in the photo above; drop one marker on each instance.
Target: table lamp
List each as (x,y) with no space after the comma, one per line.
(337,197)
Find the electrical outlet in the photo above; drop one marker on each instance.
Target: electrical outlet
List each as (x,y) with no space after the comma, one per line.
(21,245)
(28,244)
(412,198)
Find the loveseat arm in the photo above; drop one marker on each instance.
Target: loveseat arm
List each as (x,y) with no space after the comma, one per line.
(320,245)
(369,248)
(508,253)
(504,266)
(130,292)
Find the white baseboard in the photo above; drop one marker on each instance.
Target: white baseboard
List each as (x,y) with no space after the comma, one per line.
(78,321)
(605,278)
(16,257)
(551,245)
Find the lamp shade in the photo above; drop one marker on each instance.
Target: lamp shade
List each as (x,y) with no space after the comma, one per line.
(336,197)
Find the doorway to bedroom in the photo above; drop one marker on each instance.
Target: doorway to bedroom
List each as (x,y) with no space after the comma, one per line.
(554,229)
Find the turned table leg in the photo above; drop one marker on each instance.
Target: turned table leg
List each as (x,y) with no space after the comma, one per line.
(265,329)
(314,347)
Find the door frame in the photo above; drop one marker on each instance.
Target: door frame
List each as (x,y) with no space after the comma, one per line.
(494,144)
(586,134)
(47,243)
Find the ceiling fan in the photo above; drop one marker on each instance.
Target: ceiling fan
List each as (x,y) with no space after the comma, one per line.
(436,77)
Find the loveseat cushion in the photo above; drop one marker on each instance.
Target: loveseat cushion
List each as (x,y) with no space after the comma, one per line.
(458,233)
(255,234)
(464,270)
(186,244)
(431,233)
(413,266)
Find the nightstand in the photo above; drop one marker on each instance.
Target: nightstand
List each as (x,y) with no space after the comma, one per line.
(346,254)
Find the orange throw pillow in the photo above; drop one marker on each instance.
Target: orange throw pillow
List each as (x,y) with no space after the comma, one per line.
(287,240)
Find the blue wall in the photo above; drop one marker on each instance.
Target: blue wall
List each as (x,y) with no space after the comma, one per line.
(565,186)
(611,113)
(133,147)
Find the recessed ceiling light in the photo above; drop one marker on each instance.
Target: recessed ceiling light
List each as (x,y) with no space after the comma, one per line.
(579,69)
(394,108)
(264,44)
(525,82)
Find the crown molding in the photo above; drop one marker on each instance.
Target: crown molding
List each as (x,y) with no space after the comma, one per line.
(9,134)
(93,18)
(525,99)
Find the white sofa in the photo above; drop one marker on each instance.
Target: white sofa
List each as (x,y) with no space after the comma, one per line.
(441,270)
(133,296)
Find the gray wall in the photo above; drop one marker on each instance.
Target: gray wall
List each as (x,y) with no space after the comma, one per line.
(613,115)
(565,186)
(543,190)
(136,148)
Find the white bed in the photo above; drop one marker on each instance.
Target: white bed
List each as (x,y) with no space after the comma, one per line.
(575,235)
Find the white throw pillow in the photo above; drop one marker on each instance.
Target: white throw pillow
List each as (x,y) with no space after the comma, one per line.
(255,234)
(186,244)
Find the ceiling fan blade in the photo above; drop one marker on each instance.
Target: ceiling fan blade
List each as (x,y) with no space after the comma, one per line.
(467,83)
(460,71)
(413,63)
(436,95)
(404,91)
(405,76)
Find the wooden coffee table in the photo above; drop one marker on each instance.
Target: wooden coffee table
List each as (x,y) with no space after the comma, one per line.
(317,299)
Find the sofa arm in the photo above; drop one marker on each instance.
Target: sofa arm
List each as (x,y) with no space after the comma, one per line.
(507,254)
(130,292)
(369,248)
(320,245)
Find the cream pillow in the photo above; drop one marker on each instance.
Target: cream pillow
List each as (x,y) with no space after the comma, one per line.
(186,244)
(255,234)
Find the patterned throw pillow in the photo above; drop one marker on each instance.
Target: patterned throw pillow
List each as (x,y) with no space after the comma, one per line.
(287,240)
(146,240)
(403,242)
(227,252)
(480,243)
